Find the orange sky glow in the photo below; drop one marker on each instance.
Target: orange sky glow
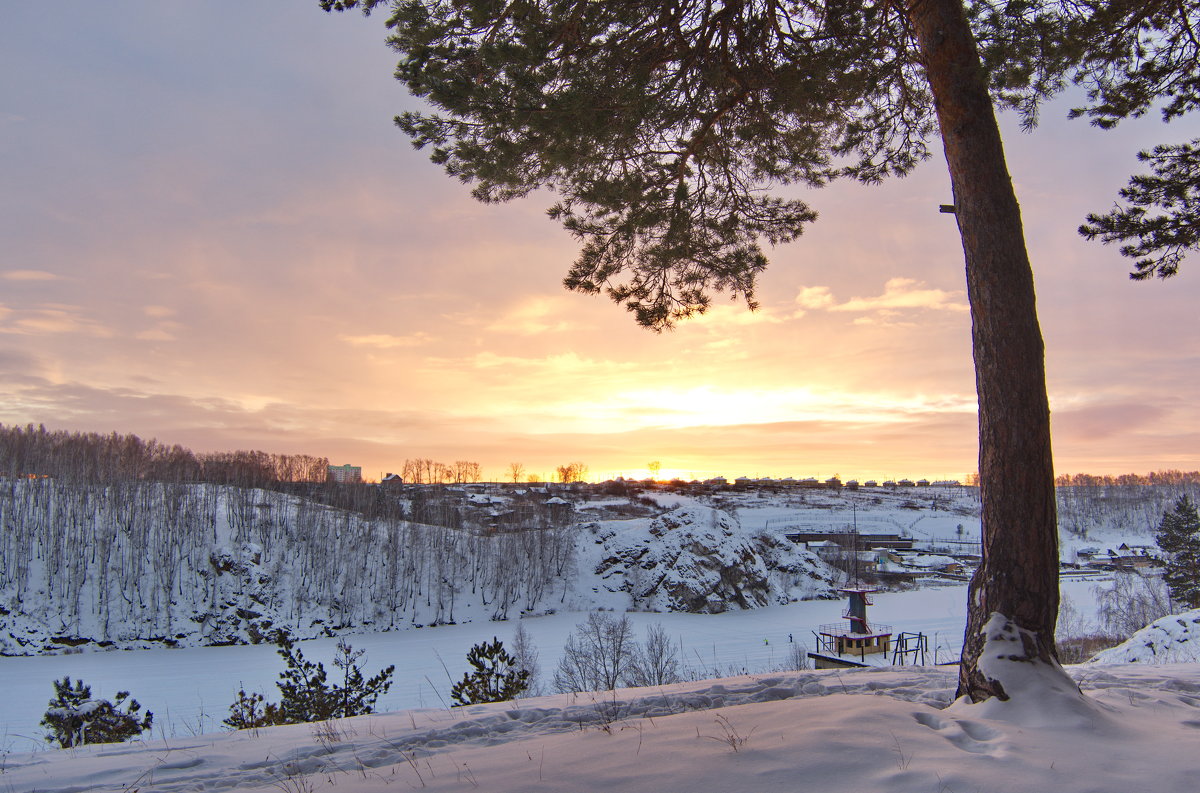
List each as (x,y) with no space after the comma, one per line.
(214,236)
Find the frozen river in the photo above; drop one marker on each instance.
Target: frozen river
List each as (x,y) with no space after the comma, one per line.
(190,690)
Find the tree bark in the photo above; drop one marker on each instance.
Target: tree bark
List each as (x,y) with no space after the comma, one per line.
(1018,576)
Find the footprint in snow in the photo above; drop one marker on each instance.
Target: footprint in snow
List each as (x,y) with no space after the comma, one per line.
(967,735)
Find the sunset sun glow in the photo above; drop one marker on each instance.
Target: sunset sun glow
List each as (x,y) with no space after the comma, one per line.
(215,237)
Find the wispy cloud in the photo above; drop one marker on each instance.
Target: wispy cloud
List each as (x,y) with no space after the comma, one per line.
(898,294)
(51,318)
(29,275)
(157,334)
(556,363)
(536,315)
(726,317)
(386,341)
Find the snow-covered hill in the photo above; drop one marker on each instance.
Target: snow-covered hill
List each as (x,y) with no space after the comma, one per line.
(1172,639)
(151,565)
(141,565)
(147,564)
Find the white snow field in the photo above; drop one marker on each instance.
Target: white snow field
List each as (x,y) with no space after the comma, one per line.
(865,731)
(189,690)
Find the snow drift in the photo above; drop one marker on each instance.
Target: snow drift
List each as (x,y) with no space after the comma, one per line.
(1172,639)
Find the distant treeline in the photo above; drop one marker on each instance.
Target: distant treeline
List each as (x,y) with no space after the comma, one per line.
(29,452)
(1109,480)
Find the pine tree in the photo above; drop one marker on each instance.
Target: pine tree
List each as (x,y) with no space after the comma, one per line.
(251,711)
(357,695)
(496,677)
(1179,538)
(1137,57)
(75,718)
(304,690)
(662,127)
(307,695)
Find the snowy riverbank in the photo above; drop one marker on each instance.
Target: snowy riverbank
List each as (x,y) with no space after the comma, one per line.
(190,689)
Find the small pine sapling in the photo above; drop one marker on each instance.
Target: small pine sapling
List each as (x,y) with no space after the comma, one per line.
(304,693)
(74,718)
(251,711)
(496,678)
(357,695)
(307,695)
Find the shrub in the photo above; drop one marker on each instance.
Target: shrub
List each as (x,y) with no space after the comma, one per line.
(251,711)
(496,678)
(596,656)
(306,693)
(527,658)
(655,662)
(74,718)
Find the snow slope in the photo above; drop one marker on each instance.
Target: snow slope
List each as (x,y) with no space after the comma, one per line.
(183,566)
(1172,639)
(867,731)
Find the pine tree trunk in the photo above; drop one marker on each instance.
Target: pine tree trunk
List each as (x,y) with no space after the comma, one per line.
(1018,577)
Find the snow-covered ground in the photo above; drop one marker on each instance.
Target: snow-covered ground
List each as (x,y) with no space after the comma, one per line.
(190,689)
(1172,639)
(867,731)
(801,729)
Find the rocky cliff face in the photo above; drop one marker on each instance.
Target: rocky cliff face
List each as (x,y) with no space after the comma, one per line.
(699,559)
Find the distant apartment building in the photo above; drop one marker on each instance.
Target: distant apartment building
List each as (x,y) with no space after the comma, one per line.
(345,474)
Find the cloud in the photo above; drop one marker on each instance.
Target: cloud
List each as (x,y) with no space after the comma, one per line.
(709,406)
(17,365)
(386,341)
(29,275)
(158,312)
(730,317)
(898,294)
(536,315)
(1100,421)
(814,297)
(51,318)
(157,334)
(557,363)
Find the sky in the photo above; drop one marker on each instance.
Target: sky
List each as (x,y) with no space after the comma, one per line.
(213,235)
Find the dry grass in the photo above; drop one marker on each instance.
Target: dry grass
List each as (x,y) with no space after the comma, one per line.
(1077,649)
